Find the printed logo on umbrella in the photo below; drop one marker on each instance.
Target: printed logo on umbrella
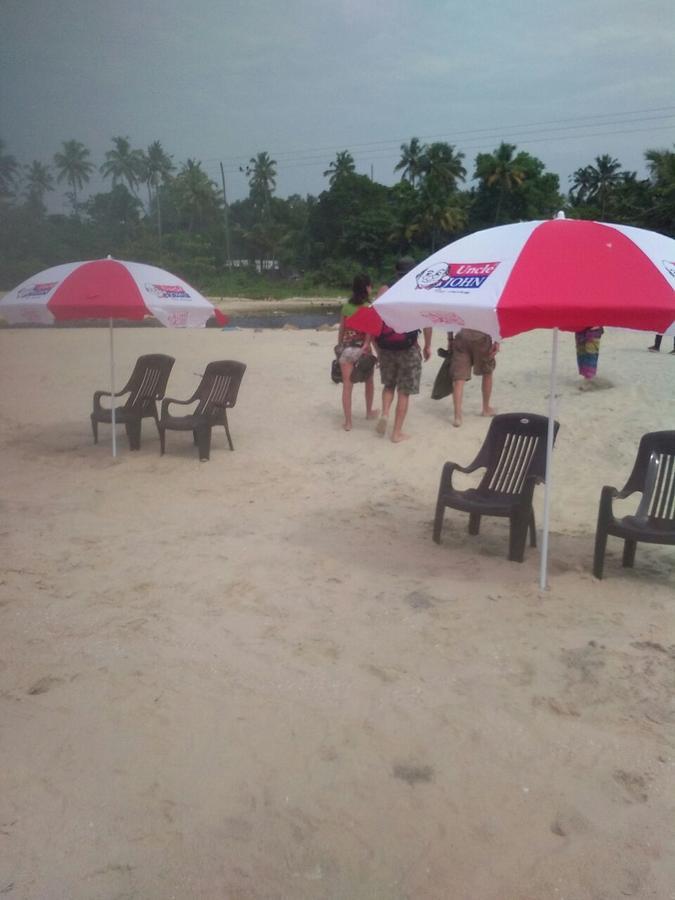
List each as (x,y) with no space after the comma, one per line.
(167,291)
(669,267)
(37,290)
(454,276)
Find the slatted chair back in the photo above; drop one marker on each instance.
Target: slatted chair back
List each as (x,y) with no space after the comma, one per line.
(514,448)
(654,475)
(658,496)
(219,387)
(148,380)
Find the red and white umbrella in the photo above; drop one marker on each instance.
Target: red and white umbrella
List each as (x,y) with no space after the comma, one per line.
(559,274)
(107,289)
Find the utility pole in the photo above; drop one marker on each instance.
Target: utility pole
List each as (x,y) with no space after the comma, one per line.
(227,222)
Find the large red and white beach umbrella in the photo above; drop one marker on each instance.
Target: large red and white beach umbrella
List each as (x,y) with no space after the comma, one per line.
(108,289)
(561,274)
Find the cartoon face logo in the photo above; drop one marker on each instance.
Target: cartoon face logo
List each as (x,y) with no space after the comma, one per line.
(432,275)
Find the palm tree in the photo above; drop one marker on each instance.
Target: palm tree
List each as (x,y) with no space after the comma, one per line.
(123,164)
(411,164)
(196,194)
(39,180)
(261,174)
(73,165)
(442,167)
(157,169)
(595,184)
(500,170)
(342,165)
(661,165)
(9,169)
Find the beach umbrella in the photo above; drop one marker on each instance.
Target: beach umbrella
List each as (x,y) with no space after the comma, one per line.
(559,274)
(109,289)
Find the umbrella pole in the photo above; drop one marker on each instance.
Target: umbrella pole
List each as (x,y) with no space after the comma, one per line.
(549,453)
(112,389)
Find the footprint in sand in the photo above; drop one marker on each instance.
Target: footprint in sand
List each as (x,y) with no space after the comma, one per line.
(43,685)
(412,773)
(634,786)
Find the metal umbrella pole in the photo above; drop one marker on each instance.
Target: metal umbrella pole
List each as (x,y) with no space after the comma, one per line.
(112,388)
(543,573)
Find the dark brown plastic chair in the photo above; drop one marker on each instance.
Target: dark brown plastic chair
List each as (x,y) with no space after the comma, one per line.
(514,457)
(145,387)
(216,393)
(654,521)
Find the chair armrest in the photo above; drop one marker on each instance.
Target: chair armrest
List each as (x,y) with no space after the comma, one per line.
(99,394)
(449,469)
(168,400)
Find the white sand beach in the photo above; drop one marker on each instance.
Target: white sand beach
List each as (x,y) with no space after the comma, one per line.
(258,678)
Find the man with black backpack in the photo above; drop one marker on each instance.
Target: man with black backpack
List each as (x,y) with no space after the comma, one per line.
(400,364)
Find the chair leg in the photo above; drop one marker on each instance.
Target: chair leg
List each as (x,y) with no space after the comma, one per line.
(204,442)
(474,523)
(438,520)
(533,531)
(599,554)
(195,439)
(629,548)
(162,439)
(94,428)
(133,429)
(518,537)
(227,430)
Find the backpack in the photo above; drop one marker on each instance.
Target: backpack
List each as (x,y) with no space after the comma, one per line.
(393,340)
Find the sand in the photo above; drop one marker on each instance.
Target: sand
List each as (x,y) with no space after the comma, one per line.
(259,678)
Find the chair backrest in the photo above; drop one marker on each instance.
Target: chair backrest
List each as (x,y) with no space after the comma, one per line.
(514,448)
(149,379)
(219,387)
(654,474)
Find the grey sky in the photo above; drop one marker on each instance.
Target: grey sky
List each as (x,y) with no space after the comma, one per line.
(223,79)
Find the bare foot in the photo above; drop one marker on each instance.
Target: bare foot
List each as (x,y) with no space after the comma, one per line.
(347,426)
(397,438)
(381,426)
(489,411)
(456,422)
(373,414)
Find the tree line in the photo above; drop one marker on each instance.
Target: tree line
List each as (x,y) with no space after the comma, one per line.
(176,216)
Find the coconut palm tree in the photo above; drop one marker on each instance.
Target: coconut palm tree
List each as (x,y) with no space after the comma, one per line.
(73,166)
(123,164)
(342,165)
(596,183)
(9,169)
(442,167)
(501,170)
(411,164)
(261,173)
(39,180)
(196,194)
(157,167)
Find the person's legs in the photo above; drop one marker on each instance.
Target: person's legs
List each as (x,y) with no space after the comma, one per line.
(370,394)
(397,434)
(656,346)
(457,395)
(347,386)
(387,399)
(486,390)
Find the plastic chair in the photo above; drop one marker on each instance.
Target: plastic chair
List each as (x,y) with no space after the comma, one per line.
(654,520)
(145,387)
(215,394)
(514,457)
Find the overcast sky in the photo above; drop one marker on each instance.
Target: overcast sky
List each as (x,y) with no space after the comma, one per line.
(220,80)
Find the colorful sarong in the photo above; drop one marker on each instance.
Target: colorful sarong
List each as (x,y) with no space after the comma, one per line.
(588,350)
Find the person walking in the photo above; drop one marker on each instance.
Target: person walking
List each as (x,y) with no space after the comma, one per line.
(471,350)
(588,351)
(656,347)
(400,365)
(351,346)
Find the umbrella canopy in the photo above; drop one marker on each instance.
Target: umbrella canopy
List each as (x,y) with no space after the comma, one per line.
(562,273)
(107,289)
(559,274)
